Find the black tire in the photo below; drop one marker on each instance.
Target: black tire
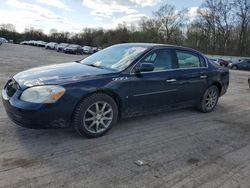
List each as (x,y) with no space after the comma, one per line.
(80,113)
(234,67)
(203,105)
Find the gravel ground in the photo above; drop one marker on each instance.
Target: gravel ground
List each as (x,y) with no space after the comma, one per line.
(182,148)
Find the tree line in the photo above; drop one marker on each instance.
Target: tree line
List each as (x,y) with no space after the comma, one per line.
(220,27)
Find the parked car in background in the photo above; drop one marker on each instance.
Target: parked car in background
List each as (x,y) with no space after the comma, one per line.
(61,46)
(3,40)
(242,65)
(32,42)
(87,49)
(24,43)
(214,60)
(99,49)
(40,43)
(51,45)
(0,43)
(94,50)
(223,62)
(119,81)
(73,49)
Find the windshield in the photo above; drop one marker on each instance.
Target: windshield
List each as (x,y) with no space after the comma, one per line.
(116,57)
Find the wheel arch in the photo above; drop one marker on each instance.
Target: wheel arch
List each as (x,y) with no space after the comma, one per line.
(108,92)
(218,85)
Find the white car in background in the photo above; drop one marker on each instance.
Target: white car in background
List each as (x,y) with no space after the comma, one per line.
(3,40)
(40,43)
(51,45)
(87,49)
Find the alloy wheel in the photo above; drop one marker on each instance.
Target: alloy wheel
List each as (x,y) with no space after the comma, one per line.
(211,99)
(98,117)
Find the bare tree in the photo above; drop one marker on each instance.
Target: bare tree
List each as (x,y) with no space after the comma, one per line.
(170,21)
(242,8)
(8,27)
(216,18)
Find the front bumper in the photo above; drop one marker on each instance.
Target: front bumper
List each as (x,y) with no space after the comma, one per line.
(37,116)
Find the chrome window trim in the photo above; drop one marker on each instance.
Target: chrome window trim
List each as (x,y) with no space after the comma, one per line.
(133,73)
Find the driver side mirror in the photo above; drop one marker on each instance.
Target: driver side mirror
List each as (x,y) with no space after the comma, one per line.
(145,67)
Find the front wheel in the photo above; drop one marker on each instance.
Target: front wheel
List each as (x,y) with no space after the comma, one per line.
(95,115)
(209,99)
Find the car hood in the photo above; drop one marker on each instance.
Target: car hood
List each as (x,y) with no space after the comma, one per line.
(57,74)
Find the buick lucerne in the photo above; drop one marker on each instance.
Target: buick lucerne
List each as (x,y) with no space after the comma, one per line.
(119,81)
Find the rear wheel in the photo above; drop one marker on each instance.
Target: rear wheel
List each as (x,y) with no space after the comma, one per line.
(209,99)
(95,115)
(234,67)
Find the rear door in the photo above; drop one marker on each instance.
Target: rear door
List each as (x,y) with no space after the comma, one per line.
(192,75)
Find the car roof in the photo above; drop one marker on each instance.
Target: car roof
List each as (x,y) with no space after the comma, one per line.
(156,45)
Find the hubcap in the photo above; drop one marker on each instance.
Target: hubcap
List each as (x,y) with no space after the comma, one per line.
(98,117)
(211,99)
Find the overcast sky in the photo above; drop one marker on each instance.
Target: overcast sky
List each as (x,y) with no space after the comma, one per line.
(74,15)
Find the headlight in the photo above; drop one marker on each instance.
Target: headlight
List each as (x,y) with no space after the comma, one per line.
(43,94)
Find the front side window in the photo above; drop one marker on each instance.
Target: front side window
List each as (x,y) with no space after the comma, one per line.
(116,57)
(161,59)
(189,60)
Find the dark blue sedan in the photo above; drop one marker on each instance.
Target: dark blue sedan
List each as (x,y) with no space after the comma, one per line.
(120,81)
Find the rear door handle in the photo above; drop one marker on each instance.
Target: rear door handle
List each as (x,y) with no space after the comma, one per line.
(171,80)
(203,76)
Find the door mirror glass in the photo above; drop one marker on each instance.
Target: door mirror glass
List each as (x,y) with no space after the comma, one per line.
(145,67)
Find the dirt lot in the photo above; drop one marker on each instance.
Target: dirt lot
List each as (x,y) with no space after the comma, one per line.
(182,148)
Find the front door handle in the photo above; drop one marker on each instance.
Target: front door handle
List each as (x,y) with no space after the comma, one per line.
(203,76)
(171,80)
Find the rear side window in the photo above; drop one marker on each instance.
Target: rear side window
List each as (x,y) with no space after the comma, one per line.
(189,60)
(162,59)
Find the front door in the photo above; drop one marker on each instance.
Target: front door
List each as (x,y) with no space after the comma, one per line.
(156,88)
